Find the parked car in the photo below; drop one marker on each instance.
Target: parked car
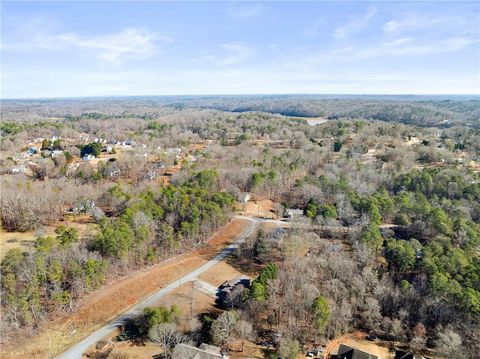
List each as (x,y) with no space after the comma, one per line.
(316,353)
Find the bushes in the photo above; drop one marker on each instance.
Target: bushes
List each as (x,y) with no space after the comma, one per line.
(258,288)
(400,254)
(151,317)
(321,313)
(313,209)
(93,148)
(371,237)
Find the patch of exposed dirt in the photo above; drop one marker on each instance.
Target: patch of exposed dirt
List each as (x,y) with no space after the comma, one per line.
(250,350)
(262,208)
(219,274)
(358,340)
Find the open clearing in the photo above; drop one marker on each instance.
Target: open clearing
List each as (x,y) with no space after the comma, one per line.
(26,240)
(261,208)
(219,274)
(106,303)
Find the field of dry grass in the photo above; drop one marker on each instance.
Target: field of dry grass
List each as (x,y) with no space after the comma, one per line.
(26,240)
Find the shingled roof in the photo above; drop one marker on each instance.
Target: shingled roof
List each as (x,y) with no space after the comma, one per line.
(346,352)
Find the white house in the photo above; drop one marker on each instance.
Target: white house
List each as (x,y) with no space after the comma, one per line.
(244,197)
(293,213)
(88,157)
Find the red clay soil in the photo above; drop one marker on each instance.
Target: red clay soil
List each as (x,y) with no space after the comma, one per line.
(101,306)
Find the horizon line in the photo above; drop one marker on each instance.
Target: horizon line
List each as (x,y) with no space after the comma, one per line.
(243,95)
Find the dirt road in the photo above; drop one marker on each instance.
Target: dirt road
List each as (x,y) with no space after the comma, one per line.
(77,350)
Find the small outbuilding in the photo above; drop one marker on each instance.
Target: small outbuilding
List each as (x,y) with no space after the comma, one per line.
(293,213)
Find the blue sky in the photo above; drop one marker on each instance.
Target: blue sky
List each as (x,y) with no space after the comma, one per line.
(62,49)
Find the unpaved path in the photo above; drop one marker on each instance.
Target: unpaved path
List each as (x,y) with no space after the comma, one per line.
(77,350)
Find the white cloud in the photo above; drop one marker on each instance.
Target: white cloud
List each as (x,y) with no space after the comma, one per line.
(128,43)
(355,24)
(416,21)
(114,48)
(406,47)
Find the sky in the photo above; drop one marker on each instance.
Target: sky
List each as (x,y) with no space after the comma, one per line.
(88,48)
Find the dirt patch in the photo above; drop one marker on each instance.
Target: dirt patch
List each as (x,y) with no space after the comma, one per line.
(26,240)
(219,274)
(22,240)
(262,208)
(127,349)
(250,350)
(135,350)
(358,341)
(103,305)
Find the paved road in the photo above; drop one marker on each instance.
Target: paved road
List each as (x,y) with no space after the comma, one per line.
(76,351)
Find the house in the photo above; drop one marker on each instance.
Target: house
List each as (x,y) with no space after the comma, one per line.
(176,150)
(82,206)
(150,175)
(56,153)
(239,279)
(114,171)
(346,352)
(17,170)
(418,253)
(239,282)
(205,351)
(159,165)
(277,234)
(88,157)
(128,143)
(244,197)
(31,151)
(293,213)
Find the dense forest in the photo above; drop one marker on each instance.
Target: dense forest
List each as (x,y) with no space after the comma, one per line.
(441,111)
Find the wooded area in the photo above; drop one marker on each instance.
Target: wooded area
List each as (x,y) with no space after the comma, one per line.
(399,178)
